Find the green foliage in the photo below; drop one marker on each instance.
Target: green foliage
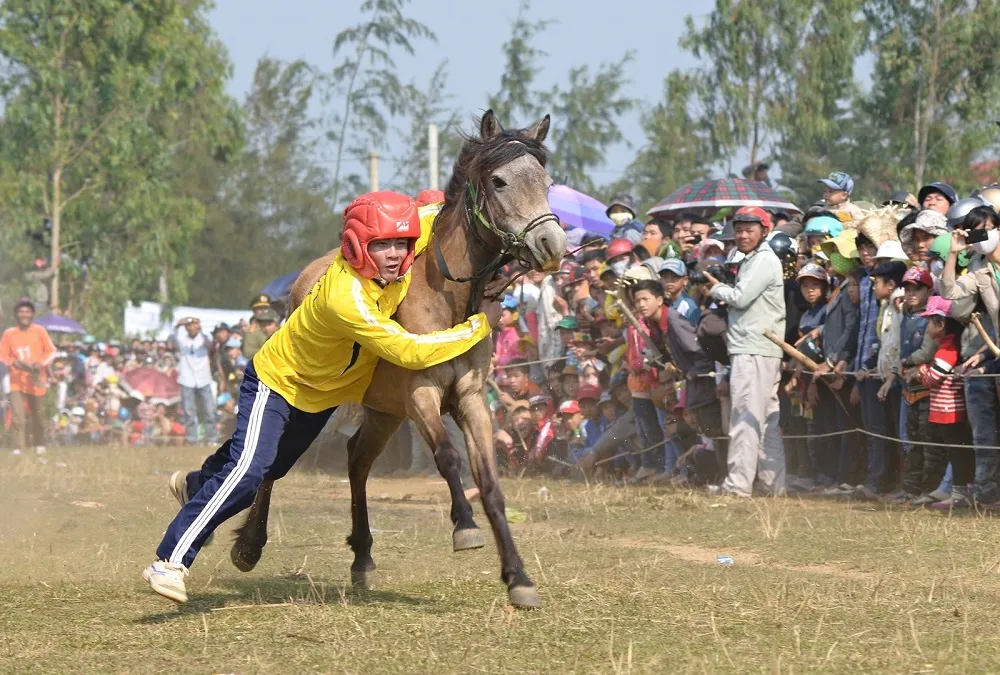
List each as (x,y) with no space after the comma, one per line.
(585,115)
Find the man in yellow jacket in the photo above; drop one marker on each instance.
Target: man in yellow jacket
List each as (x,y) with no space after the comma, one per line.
(323,356)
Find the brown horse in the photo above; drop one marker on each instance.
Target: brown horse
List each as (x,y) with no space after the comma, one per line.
(496,211)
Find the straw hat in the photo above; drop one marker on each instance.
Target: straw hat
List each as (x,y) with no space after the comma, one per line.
(879,225)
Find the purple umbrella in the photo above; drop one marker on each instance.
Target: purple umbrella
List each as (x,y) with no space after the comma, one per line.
(60,324)
(579,210)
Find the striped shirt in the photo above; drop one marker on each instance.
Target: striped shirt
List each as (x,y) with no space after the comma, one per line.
(947,395)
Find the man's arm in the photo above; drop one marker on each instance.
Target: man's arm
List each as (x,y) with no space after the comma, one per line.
(751,285)
(361,320)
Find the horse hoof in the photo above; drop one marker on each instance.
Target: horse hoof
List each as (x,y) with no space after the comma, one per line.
(467,539)
(243,560)
(363,579)
(524,597)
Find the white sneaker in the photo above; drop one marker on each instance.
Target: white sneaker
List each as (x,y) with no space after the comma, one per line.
(16,452)
(167,579)
(178,486)
(39,449)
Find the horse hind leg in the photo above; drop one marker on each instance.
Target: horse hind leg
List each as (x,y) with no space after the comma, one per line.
(362,450)
(251,536)
(426,404)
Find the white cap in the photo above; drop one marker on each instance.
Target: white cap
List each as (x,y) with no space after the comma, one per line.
(892,250)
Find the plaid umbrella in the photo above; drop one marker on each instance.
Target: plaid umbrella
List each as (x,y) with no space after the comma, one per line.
(149,384)
(722,193)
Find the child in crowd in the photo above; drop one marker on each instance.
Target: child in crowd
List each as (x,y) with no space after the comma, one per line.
(925,465)
(813,466)
(947,418)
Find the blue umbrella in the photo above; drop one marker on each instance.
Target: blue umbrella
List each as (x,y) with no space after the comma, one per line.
(60,324)
(278,289)
(579,210)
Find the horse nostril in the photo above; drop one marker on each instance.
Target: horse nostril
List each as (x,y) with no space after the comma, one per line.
(547,246)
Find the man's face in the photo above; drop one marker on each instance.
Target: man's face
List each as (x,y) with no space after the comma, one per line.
(25,315)
(388,256)
(935,201)
(673,285)
(516,380)
(647,303)
(573,421)
(570,386)
(193,328)
(915,296)
(565,336)
(622,394)
(682,230)
(221,335)
(748,236)
(867,254)
(701,230)
(522,421)
(554,380)
(538,413)
(578,290)
(922,242)
(588,407)
(269,328)
(652,238)
(834,197)
(593,267)
(608,411)
(812,289)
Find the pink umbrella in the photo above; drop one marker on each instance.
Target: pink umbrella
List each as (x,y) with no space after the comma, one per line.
(149,384)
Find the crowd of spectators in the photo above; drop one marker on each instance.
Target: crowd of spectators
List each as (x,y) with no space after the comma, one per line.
(846,350)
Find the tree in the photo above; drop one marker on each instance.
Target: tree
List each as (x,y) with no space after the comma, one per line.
(934,89)
(275,211)
(749,47)
(516,98)
(364,84)
(93,92)
(677,150)
(586,115)
(815,117)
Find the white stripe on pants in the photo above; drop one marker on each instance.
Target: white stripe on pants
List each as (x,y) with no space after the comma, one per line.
(755,445)
(231,481)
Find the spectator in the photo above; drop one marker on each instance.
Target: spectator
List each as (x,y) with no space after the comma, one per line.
(621,211)
(255,335)
(837,189)
(195,380)
(27,351)
(674,276)
(756,303)
(937,197)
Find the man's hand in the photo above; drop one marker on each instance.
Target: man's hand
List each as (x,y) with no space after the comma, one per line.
(560,305)
(861,375)
(490,306)
(496,286)
(712,282)
(971,363)
(855,397)
(958,241)
(823,369)
(812,394)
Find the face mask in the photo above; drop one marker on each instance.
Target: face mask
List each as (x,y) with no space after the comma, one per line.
(621,217)
(987,247)
(619,267)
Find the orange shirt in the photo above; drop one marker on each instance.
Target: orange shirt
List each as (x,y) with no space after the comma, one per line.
(31,345)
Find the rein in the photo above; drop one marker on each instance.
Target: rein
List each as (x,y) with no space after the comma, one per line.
(512,246)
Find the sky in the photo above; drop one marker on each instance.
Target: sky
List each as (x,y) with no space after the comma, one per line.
(470,36)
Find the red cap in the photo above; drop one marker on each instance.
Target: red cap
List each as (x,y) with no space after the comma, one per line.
(569,408)
(619,247)
(917,275)
(588,391)
(374,216)
(753,214)
(429,197)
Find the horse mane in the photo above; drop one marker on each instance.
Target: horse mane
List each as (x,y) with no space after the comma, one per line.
(481,157)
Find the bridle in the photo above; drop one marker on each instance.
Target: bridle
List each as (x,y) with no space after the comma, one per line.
(512,245)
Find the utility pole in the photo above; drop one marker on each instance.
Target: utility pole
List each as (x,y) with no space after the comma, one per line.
(373,171)
(432,156)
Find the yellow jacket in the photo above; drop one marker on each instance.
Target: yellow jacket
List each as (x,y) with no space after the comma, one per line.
(326,353)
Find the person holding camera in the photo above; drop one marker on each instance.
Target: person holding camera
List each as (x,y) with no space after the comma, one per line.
(756,304)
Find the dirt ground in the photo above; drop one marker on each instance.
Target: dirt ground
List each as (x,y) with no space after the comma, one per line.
(629,579)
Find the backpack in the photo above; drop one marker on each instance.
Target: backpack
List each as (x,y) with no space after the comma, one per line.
(711,333)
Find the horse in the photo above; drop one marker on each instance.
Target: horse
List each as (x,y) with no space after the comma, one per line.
(495,212)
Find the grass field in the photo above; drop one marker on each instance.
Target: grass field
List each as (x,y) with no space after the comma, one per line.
(628,577)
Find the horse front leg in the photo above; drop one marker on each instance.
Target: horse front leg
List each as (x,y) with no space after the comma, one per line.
(425,410)
(251,536)
(475,423)
(362,451)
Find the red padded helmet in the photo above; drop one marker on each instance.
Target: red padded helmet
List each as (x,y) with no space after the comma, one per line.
(374,216)
(429,197)
(619,247)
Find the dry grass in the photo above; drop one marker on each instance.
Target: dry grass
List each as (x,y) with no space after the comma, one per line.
(628,578)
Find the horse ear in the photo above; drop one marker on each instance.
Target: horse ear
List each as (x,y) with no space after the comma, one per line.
(489,126)
(540,130)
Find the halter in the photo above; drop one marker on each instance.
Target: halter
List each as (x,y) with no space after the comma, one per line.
(512,246)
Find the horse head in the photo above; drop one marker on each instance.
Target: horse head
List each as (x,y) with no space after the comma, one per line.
(504,185)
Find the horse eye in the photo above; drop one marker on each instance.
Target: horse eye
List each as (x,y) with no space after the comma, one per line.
(498,182)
